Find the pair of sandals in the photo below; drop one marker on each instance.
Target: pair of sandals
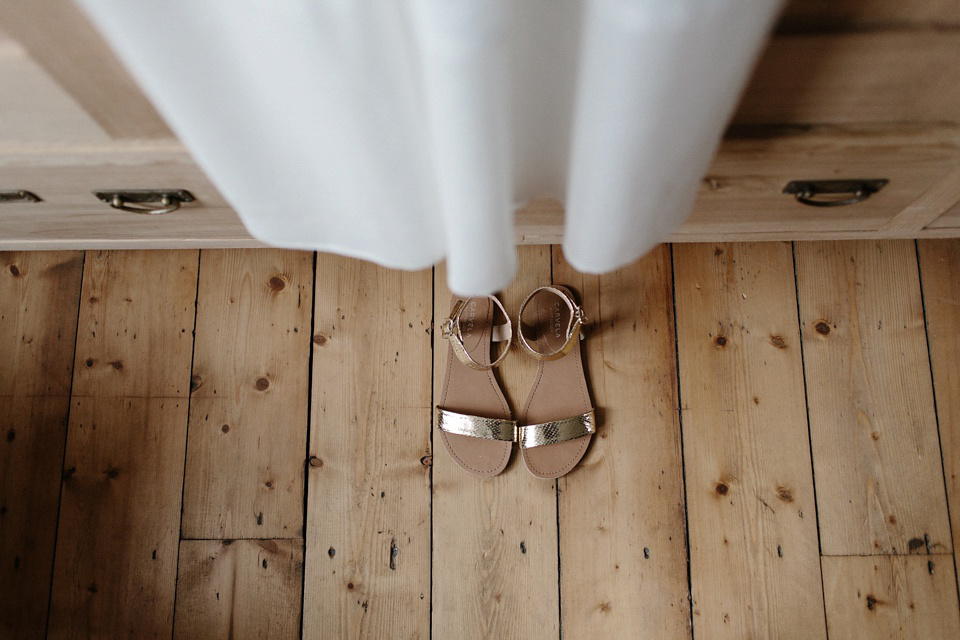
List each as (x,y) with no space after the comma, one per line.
(473,417)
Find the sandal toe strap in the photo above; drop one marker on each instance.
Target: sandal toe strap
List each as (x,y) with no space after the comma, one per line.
(537,435)
(476,426)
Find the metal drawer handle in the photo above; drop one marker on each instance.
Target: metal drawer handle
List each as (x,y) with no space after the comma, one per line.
(150,202)
(20,195)
(166,206)
(806,191)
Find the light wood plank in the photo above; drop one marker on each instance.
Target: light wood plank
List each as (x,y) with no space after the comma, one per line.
(750,500)
(59,37)
(626,497)
(39,299)
(872,422)
(940,278)
(222,229)
(881,76)
(939,199)
(239,589)
(116,558)
(949,222)
(248,411)
(368,512)
(730,235)
(494,540)
(891,597)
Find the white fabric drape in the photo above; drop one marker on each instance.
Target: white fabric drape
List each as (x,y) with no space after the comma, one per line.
(406,132)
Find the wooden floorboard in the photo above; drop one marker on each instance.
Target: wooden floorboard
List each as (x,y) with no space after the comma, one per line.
(246,446)
(116,556)
(365,527)
(368,509)
(239,589)
(891,596)
(872,420)
(940,280)
(752,517)
(248,404)
(626,497)
(36,364)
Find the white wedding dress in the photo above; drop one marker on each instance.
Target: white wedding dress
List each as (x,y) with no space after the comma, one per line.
(406,132)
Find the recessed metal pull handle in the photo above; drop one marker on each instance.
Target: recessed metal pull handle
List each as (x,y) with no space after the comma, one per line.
(149,201)
(808,191)
(20,195)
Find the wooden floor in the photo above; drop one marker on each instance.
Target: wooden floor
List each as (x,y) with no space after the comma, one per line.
(239,444)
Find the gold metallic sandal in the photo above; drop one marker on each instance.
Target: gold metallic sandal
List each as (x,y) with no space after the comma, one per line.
(557,419)
(473,418)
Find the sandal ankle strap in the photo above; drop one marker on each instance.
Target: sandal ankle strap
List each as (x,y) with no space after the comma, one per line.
(574,326)
(450,330)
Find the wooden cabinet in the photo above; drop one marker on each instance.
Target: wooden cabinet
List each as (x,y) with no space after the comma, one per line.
(845,89)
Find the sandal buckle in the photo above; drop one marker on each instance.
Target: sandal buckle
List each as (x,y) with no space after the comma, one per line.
(450,326)
(578,321)
(579,315)
(446,329)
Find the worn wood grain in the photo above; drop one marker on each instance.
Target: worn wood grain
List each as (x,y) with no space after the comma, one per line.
(754,561)
(870,398)
(750,499)
(250,381)
(368,511)
(936,201)
(39,298)
(880,76)
(940,281)
(891,597)
(116,561)
(239,589)
(39,301)
(60,38)
(135,335)
(116,557)
(626,496)
(495,540)
(32,433)
(948,223)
